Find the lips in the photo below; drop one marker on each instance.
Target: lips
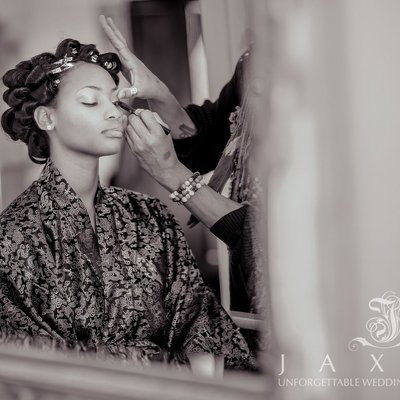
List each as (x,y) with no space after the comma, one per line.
(116,131)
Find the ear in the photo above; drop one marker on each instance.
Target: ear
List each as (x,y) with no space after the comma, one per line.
(43,117)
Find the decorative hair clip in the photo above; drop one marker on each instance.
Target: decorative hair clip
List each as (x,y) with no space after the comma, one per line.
(109,65)
(93,56)
(65,64)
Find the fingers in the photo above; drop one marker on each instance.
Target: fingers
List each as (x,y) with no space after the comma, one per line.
(132,139)
(120,44)
(150,121)
(113,33)
(165,126)
(159,120)
(127,93)
(124,120)
(115,41)
(136,123)
(145,126)
(117,32)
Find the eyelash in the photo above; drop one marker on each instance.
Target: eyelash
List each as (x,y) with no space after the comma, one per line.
(95,104)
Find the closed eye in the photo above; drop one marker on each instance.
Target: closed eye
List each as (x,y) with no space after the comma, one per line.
(95,104)
(90,104)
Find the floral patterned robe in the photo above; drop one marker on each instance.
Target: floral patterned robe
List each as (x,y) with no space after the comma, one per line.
(132,288)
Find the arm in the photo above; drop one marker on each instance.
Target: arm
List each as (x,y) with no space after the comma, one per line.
(229,228)
(207,205)
(156,154)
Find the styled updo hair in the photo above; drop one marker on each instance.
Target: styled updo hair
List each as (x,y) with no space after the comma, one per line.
(35,82)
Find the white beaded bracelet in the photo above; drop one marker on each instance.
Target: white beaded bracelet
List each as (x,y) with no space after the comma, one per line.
(188,189)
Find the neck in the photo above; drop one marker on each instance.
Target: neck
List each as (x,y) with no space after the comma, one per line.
(81,173)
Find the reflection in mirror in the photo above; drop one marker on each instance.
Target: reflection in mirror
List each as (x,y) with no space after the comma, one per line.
(82,264)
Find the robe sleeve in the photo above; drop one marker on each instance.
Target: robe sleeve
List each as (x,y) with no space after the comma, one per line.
(198,323)
(19,320)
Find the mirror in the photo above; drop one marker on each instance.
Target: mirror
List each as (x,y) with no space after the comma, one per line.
(17,172)
(322,87)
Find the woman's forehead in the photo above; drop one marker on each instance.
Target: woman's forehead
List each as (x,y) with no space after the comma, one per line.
(88,75)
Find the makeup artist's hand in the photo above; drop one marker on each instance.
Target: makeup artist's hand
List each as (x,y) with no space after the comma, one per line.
(156,154)
(145,85)
(153,148)
(138,75)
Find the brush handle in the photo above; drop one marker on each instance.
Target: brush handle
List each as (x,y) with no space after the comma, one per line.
(132,110)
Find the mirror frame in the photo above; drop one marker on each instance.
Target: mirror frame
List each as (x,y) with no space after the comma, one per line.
(31,373)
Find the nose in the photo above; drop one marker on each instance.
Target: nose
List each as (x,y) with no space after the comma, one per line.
(113,112)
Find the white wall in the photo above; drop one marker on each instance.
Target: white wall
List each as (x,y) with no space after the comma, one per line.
(225,27)
(334,223)
(374,126)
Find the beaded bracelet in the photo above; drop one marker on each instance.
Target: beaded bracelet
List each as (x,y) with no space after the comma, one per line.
(187,189)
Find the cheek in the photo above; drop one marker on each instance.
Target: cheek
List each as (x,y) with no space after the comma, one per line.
(79,124)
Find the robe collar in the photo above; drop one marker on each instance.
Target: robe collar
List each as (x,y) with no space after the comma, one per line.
(56,194)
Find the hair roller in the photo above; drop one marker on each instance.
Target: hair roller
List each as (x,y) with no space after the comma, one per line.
(68,47)
(7,121)
(29,106)
(110,61)
(15,78)
(42,94)
(23,129)
(36,77)
(14,97)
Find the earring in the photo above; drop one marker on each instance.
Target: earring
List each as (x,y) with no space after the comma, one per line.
(48,127)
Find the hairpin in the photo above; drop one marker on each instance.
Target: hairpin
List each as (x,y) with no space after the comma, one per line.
(93,56)
(65,64)
(109,65)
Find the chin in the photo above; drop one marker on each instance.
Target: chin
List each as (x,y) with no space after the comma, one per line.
(109,150)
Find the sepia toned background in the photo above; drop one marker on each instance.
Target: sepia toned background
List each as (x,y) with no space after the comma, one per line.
(327,92)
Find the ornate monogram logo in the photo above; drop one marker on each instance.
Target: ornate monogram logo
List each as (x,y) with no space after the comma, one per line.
(384,330)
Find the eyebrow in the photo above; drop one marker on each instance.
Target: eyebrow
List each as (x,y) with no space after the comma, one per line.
(98,88)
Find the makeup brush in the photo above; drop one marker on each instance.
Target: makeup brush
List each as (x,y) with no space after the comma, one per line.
(132,110)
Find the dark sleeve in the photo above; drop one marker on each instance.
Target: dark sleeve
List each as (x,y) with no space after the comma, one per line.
(203,151)
(236,230)
(197,322)
(229,227)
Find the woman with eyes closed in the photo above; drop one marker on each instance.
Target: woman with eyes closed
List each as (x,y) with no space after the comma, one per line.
(88,267)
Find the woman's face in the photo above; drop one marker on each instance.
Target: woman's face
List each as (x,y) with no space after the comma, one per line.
(86,120)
